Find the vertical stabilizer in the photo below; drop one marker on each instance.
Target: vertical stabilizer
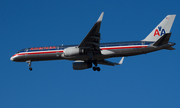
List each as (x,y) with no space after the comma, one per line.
(162,28)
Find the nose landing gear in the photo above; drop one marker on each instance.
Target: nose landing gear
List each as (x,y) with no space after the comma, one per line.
(29,64)
(30,68)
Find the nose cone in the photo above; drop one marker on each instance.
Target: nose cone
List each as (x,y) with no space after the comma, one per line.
(12,58)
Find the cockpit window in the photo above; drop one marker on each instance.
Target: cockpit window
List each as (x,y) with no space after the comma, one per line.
(23,50)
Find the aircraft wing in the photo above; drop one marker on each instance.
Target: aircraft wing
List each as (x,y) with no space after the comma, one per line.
(92,39)
(106,62)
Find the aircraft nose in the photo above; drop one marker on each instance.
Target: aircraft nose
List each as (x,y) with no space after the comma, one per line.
(11,58)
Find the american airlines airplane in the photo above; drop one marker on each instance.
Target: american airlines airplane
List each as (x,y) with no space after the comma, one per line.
(91,52)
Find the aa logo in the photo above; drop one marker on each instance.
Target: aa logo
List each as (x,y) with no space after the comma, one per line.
(159,31)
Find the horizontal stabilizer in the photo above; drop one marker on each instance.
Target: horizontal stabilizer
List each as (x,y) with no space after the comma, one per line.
(163,40)
(170,48)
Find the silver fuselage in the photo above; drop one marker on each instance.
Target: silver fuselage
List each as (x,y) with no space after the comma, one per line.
(108,50)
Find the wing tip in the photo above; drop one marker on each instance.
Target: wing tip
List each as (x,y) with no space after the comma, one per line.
(100,17)
(121,61)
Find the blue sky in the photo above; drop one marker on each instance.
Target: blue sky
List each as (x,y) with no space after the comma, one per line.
(143,81)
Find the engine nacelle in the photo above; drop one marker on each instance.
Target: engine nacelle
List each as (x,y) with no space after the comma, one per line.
(72,51)
(80,65)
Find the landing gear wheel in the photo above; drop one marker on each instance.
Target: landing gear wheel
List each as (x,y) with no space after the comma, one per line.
(96,68)
(29,64)
(95,65)
(30,68)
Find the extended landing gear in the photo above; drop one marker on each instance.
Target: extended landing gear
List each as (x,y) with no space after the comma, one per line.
(29,64)
(30,68)
(95,67)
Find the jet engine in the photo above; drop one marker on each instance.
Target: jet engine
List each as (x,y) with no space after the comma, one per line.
(72,51)
(80,65)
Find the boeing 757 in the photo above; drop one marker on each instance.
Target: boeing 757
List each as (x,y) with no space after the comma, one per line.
(90,52)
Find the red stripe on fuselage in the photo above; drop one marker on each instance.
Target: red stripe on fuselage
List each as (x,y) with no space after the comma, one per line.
(125,47)
(48,52)
(31,53)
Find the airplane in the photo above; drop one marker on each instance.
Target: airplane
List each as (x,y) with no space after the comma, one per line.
(90,52)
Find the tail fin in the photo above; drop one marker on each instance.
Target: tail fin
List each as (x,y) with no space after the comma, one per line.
(162,28)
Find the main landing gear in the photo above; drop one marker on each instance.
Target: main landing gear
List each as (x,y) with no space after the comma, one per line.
(29,64)
(95,67)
